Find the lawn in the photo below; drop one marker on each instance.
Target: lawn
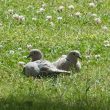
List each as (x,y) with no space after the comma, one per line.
(55,27)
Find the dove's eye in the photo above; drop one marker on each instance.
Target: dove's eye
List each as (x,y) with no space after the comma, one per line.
(73,53)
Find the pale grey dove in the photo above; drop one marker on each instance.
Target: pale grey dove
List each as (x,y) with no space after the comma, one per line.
(41,68)
(70,61)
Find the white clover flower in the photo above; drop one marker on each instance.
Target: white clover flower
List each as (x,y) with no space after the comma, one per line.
(98,20)
(92,5)
(41,10)
(16,16)
(88,56)
(1,46)
(34,19)
(107,43)
(59,18)
(11,52)
(71,7)
(29,46)
(97,56)
(44,5)
(21,63)
(52,24)
(21,18)
(19,48)
(10,11)
(78,14)
(1,24)
(48,18)
(60,8)
(105,28)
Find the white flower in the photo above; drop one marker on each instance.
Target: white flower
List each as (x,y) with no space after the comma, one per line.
(97,56)
(1,24)
(60,8)
(34,19)
(93,5)
(98,20)
(29,46)
(78,14)
(105,28)
(16,16)
(41,10)
(71,7)
(48,18)
(59,18)
(88,56)
(1,46)
(10,11)
(21,18)
(107,43)
(44,5)
(52,24)
(19,48)
(21,63)
(11,52)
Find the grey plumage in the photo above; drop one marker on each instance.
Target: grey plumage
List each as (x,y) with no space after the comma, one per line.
(69,61)
(39,67)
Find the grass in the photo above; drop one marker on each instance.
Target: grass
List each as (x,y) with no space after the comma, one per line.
(86,90)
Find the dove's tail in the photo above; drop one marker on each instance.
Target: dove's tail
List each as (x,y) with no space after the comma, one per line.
(58,71)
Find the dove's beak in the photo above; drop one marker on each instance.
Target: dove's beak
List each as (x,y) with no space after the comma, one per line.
(80,57)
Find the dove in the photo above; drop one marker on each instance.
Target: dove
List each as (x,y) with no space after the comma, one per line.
(69,61)
(41,68)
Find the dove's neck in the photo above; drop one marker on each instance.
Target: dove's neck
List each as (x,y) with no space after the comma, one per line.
(72,60)
(36,58)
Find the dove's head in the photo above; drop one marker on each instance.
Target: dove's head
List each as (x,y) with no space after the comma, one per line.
(35,54)
(74,55)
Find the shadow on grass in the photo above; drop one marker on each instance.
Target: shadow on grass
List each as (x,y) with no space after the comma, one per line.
(41,103)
